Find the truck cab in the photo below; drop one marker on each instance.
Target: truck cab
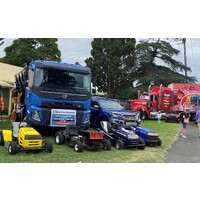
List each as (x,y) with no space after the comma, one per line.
(56,94)
(157,99)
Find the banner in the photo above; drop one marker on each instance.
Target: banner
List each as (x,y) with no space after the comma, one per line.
(62,117)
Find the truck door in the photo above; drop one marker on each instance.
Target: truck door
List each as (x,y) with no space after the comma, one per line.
(154,102)
(94,112)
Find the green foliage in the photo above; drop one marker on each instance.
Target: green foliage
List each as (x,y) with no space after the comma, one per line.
(149,56)
(117,63)
(23,50)
(111,63)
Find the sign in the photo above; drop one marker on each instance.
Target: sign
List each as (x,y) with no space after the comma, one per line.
(62,117)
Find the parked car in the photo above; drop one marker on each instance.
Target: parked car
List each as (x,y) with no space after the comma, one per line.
(106,109)
(172,116)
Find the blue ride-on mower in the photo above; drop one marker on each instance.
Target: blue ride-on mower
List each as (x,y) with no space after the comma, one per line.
(121,136)
(150,137)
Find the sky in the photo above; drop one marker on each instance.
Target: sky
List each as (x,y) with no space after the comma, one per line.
(78,49)
(72,49)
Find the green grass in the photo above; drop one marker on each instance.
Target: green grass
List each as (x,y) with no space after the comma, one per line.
(168,132)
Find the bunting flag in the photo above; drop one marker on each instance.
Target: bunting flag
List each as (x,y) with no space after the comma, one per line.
(1,99)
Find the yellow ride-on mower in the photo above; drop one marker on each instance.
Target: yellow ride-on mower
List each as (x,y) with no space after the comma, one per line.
(23,138)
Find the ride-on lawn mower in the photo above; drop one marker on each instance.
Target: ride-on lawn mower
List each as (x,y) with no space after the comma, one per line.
(149,136)
(23,138)
(120,136)
(80,139)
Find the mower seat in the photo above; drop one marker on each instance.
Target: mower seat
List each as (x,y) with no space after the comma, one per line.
(106,127)
(72,130)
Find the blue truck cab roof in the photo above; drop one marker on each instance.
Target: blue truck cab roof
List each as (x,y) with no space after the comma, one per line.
(56,64)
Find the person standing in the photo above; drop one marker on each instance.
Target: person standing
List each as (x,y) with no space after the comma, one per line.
(198,119)
(183,117)
(159,115)
(142,115)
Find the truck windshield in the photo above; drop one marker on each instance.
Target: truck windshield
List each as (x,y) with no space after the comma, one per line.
(110,105)
(61,79)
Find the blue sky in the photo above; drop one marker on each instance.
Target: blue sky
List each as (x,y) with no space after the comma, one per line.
(72,49)
(78,49)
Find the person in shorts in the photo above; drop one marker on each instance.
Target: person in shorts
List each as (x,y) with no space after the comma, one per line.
(184,115)
(198,119)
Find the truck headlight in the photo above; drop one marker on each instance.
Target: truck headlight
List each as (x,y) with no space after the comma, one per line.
(35,116)
(87,119)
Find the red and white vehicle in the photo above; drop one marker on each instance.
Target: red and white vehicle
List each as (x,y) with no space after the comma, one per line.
(175,97)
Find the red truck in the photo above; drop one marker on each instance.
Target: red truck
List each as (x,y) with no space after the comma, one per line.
(172,99)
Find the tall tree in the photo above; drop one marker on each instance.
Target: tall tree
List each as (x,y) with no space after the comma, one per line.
(155,62)
(24,50)
(111,63)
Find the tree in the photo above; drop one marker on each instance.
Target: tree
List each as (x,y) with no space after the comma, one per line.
(111,63)
(23,50)
(155,62)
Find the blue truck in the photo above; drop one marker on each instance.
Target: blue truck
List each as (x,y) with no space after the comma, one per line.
(53,94)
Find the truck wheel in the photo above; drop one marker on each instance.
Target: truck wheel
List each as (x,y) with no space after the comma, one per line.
(107,145)
(1,138)
(12,148)
(49,147)
(59,138)
(159,142)
(78,146)
(141,141)
(119,144)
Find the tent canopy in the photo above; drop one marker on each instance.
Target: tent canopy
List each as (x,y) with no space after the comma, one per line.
(7,74)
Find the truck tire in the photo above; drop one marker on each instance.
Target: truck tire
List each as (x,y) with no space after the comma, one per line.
(59,138)
(119,144)
(1,138)
(107,145)
(159,142)
(12,148)
(78,146)
(49,147)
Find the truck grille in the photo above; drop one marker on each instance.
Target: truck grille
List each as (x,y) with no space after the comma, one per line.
(62,105)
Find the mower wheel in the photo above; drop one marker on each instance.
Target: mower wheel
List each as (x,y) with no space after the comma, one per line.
(49,147)
(141,141)
(107,145)
(78,146)
(1,138)
(59,138)
(119,144)
(12,148)
(159,142)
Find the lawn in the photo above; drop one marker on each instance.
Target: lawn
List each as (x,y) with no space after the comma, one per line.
(168,132)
